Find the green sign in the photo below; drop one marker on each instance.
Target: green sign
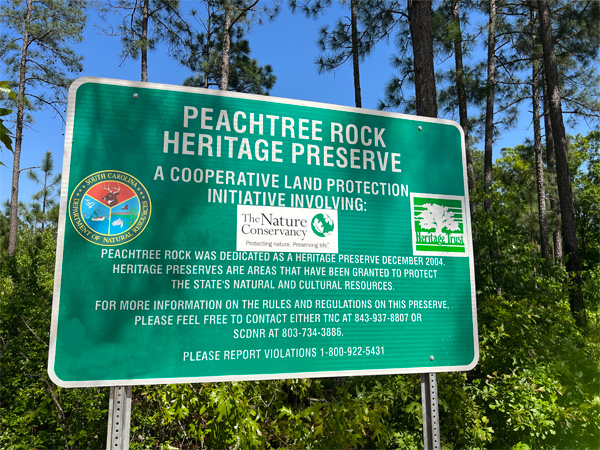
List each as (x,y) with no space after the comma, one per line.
(212,236)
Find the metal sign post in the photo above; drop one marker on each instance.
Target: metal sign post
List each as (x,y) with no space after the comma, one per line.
(119,418)
(431,420)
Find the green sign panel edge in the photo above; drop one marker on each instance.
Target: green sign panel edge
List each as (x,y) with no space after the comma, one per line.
(64,222)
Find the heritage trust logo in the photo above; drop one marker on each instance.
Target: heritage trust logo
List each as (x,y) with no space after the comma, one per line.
(109,208)
(438,225)
(266,228)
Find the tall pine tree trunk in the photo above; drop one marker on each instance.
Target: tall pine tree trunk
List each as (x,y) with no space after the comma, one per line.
(44,199)
(232,13)
(551,172)
(16,172)
(489,108)
(226,48)
(565,193)
(462,95)
(205,48)
(539,171)
(421,32)
(144,49)
(355,56)
(537,138)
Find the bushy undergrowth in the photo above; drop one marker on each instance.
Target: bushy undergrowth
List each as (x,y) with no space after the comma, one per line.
(35,413)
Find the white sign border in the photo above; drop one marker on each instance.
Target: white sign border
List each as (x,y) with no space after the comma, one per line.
(147,381)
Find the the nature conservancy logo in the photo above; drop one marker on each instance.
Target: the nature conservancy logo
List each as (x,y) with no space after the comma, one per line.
(438,225)
(322,225)
(280,229)
(109,208)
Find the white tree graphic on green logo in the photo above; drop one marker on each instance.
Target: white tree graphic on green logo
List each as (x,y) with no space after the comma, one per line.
(438,224)
(438,217)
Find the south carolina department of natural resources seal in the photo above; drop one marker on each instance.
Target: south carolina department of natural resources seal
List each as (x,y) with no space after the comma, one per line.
(110,208)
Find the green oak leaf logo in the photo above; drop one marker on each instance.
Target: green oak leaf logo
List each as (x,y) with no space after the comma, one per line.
(322,225)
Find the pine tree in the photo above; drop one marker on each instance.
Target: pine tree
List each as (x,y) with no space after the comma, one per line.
(343,44)
(44,203)
(200,51)
(577,39)
(234,13)
(421,32)
(143,25)
(35,46)
(537,141)
(577,78)
(579,81)
(567,209)
(552,188)
(461,91)
(202,54)
(489,105)
(450,38)
(353,37)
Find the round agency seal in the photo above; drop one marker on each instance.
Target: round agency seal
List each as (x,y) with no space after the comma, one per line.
(109,208)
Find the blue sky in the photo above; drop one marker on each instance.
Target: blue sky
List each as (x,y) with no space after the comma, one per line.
(288,43)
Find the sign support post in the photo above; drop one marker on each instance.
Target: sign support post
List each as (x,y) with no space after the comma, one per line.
(431,422)
(119,418)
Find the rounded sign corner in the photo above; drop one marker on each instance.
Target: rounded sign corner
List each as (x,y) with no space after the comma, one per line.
(460,129)
(56,379)
(475,361)
(75,85)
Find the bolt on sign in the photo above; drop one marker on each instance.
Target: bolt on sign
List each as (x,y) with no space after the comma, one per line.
(213,236)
